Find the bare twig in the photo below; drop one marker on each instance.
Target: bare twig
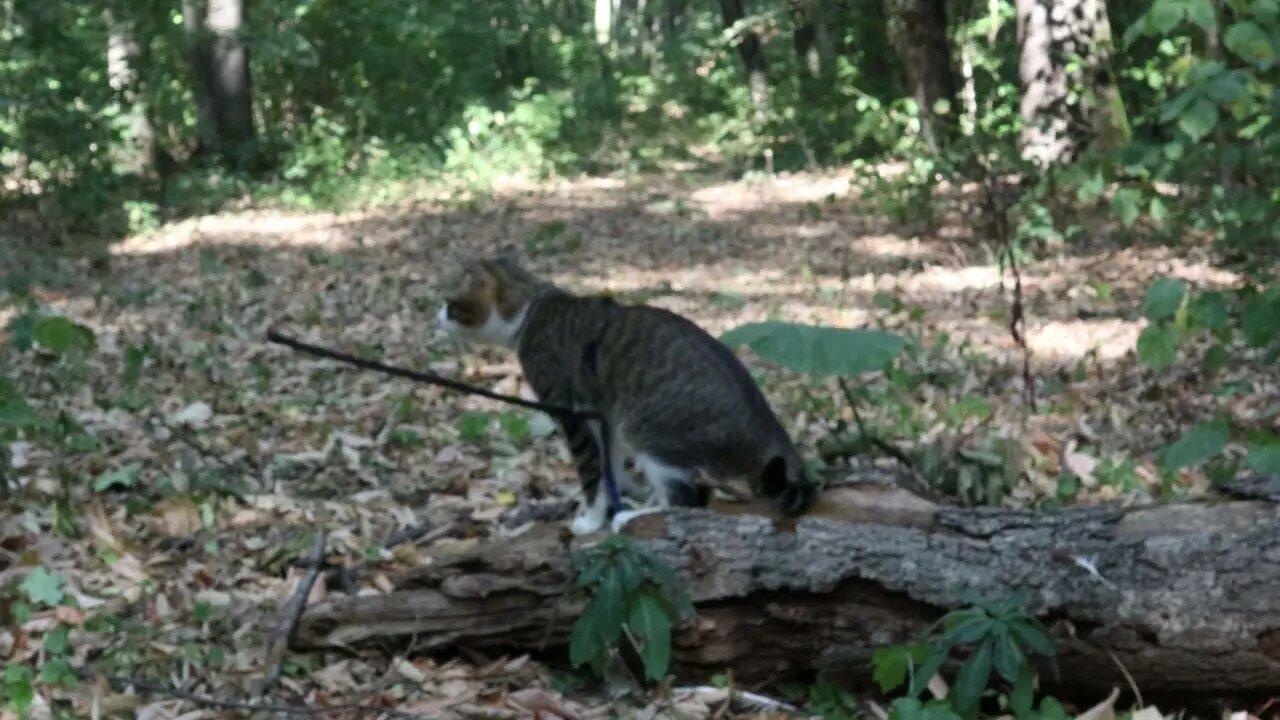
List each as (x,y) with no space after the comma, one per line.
(884,446)
(291,613)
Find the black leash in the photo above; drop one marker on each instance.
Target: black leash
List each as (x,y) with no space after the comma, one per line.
(428,378)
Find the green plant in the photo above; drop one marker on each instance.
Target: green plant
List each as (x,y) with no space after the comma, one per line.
(1000,637)
(629,593)
(1174,314)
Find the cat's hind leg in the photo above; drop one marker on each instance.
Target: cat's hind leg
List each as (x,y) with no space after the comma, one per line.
(671,486)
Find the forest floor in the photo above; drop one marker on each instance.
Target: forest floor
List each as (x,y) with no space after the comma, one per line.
(197,460)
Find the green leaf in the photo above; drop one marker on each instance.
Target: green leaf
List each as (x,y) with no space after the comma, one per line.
(1260,319)
(1158,211)
(15,412)
(584,640)
(43,587)
(1166,14)
(473,427)
(1199,119)
(57,641)
(1264,454)
(124,477)
(921,677)
(1251,43)
(19,686)
(1198,444)
(609,604)
(1009,660)
(1163,298)
(1158,345)
(1202,13)
(972,678)
(1215,358)
(57,334)
(1032,637)
(1022,696)
(892,663)
(1127,205)
(57,671)
(1208,310)
(816,350)
(969,631)
(649,622)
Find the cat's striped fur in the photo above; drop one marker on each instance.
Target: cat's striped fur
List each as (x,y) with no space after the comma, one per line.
(677,402)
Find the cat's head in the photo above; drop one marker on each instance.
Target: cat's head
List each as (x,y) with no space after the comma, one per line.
(487,299)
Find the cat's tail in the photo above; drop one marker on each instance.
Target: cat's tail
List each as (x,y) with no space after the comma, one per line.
(787,485)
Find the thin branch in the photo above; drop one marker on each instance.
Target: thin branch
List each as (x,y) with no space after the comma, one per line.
(884,446)
(291,613)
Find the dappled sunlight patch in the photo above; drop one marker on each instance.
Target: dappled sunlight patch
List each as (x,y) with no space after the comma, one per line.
(1108,339)
(267,229)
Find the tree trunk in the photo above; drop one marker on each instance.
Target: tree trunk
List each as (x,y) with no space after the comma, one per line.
(811,37)
(223,87)
(751,50)
(1184,599)
(139,151)
(1066,104)
(604,22)
(926,56)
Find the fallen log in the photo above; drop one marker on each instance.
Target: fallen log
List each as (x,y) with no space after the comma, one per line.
(1185,596)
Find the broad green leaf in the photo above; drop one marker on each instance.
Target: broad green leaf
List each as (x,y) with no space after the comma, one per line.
(1198,444)
(1215,358)
(1251,43)
(42,587)
(1173,108)
(609,604)
(473,427)
(1008,659)
(15,412)
(57,671)
(925,672)
(1022,696)
(1199,118)
(1260,319)
(19,686)
(1158,211)
(816,350)
(1032,638)
(584,640)
(1264,455)
(1127,205)
(57,641)
(648,620)
(1202,13)
(1163,298)
(972,678)
(892,663)
(57,334)
(1166,14)
(1158,345)
(1208,310)
(124,477)
(969,631)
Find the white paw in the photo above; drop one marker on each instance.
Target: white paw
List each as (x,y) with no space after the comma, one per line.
(586,524)
(621,519)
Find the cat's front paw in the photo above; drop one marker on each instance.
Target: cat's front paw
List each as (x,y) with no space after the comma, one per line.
(586,524)
(621,519)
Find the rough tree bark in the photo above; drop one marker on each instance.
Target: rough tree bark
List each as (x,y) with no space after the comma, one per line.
(751,50)
(1186,599)
(139,152)
(219,61)
(926,56)
(1062,109)
(811,37)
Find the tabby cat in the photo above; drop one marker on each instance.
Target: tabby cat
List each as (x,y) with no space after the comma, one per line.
(674,401)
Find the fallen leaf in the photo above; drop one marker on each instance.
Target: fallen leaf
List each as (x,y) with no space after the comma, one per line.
(195,415)
(178,516)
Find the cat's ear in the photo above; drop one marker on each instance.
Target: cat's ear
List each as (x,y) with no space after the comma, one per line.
(773,480)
